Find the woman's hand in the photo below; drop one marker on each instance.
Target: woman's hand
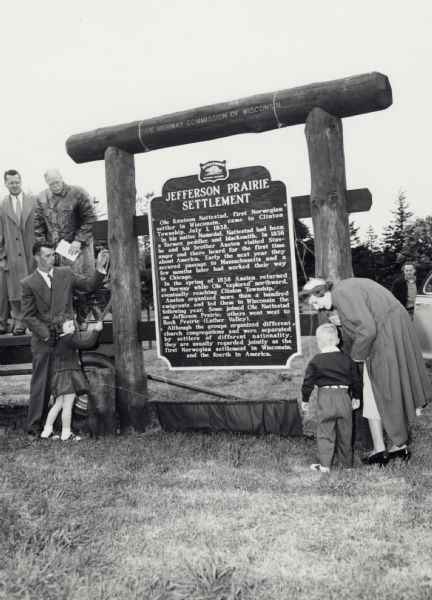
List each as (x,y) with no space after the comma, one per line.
(335,320)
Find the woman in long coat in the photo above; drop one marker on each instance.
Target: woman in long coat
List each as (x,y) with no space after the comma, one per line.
(384,338)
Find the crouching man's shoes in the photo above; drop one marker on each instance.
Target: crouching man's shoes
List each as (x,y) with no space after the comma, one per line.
(404,454)
(19,332)
(379,458)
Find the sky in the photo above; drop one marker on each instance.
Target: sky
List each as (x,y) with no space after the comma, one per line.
(73,66)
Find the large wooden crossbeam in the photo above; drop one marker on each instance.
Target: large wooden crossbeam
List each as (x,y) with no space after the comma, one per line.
(263,112)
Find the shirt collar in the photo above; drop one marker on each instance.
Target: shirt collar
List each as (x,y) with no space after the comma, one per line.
(63,192)
(329,349)
(45,275)
(18,197)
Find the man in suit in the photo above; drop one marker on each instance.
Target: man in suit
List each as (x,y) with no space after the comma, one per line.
(17,212)
(46,293)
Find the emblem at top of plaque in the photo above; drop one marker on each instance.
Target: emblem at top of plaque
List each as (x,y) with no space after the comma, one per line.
(213,170)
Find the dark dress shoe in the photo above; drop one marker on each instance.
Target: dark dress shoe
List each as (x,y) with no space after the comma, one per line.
(3,331)
(404,454)
(19,332)
(379,458)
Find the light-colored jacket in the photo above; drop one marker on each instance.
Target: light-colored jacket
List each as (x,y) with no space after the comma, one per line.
(16,242)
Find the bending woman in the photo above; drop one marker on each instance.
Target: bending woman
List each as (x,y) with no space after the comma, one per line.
(395,378)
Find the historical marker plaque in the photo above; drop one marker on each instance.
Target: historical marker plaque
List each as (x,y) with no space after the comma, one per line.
(224,270)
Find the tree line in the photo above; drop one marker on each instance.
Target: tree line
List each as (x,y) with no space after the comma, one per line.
(378,258)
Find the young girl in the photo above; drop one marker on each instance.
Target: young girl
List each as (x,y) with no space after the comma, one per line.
(67,378)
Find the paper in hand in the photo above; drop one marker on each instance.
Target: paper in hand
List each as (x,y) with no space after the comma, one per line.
(63,249)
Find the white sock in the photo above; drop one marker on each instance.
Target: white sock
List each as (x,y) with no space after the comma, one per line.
(65,433)
(47,431)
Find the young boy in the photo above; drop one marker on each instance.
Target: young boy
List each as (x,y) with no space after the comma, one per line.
(336,375)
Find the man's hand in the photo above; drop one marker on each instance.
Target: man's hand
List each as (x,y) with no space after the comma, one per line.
(102,260)
(99,326)
(75,247)
(355,403)
(3,265)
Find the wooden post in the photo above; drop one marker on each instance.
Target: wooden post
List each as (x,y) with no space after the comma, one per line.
(132,396)
(328,203)
(102,416)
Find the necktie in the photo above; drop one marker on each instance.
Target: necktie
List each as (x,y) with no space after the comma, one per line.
(18,209)
(50,277)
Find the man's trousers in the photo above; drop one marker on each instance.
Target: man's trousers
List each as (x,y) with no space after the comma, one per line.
(40,391)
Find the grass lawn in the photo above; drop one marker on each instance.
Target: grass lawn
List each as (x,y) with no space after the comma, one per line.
(228,517)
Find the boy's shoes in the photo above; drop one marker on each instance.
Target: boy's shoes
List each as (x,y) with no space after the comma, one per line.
(320,468)
(48,434)
(379,458)
(404,454)
(69,437)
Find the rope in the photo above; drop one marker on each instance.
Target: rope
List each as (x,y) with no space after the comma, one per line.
(301,261)
(279,123)
(146,149)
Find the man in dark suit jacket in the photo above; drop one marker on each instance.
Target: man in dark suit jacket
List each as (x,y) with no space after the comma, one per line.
(46,293)
(404,287)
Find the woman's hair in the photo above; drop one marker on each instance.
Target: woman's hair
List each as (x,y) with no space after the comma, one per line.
(56,327)
(316,286)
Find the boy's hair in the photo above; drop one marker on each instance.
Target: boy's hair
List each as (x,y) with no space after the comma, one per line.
(56,327)
(327,335)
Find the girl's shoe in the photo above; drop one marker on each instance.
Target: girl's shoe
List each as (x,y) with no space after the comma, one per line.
(320,468)
(70,437)
(49,435)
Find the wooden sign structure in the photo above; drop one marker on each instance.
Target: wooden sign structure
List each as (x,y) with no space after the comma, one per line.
(224,270)
(320,105)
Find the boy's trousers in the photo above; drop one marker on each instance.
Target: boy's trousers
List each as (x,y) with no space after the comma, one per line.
(334,429)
